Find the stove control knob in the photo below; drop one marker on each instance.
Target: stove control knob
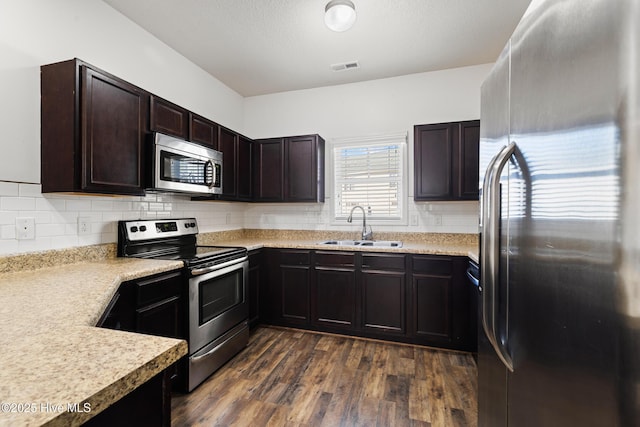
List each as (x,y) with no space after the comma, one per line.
(133,229)
(193,224)
(143,228)
(187,225)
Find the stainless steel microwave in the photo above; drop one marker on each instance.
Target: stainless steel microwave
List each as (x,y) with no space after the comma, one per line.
(184,167)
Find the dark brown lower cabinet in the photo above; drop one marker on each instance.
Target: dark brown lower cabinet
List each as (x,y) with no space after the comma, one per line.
(384,294)
(383,301)
(295,293)
(420,299)
(334,291)
(147,405)
(432,307)
(442,312)
(289,273)
(152,305)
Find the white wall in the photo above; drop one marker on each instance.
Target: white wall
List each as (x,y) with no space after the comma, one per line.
(37,32)
(369,108)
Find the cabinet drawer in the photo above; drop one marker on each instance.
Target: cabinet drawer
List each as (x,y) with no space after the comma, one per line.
(437,265)
(335,259)
(158,288)
(383,261)
(295,257)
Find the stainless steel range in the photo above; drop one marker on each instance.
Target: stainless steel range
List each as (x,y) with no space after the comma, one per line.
(217,288)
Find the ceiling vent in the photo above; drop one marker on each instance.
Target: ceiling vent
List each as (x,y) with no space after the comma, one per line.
(345,66)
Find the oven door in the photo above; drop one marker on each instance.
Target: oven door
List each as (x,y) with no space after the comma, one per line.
(217,301)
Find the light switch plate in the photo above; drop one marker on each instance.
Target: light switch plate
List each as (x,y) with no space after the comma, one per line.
(25,228)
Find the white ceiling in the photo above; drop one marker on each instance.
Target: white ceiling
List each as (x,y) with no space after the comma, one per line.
(265,46)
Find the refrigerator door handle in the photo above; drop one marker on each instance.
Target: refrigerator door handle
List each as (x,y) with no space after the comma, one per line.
(490,250)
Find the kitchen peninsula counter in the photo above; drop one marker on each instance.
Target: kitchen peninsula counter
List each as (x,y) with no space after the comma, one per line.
(52,354)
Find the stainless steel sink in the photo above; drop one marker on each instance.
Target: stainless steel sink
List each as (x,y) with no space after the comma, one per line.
(340,242)
(381,243)
(373,243)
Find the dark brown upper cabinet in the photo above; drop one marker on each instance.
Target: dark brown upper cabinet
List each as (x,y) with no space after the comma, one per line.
(203,131)
(236,165)
(93,128)
(446,161)
(268,166)
(304,169)
(245,172)
(228,145)
(289,169)
(169,118)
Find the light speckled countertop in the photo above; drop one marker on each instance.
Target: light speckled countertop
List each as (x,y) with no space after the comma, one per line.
(52,354)
(416,243)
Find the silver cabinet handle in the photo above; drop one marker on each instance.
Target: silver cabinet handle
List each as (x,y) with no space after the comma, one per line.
(490,221)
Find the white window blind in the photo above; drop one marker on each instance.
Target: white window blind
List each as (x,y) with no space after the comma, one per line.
(370,173)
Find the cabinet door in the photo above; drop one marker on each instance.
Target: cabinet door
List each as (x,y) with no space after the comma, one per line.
(442,315)
(294,290)
(432,311)
(268,167)
(289,272)
(113,116)
(383,301)
(466,170)
(162,318)
(433,162)
(432,298)
(203,131)
(169,118)
(334,299)
(228,145)
(301,166)
(244,169)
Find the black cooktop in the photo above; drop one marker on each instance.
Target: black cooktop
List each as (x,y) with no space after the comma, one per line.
(171,239)
(198,255)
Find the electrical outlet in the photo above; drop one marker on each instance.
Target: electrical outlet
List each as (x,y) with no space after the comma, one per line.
(84,225)
(414,219)
(25,228)
(437,219)
(229,218)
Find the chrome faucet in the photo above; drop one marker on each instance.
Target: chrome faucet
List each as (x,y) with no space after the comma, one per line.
(366,235)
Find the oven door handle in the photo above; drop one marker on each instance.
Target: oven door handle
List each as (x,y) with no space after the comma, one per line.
(205,270)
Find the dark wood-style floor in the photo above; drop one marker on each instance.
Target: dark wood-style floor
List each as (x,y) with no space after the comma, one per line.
(295,378)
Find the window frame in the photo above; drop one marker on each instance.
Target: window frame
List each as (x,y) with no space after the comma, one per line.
(399,138)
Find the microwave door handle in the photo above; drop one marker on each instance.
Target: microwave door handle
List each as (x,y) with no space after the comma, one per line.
(209,172)
(491,250)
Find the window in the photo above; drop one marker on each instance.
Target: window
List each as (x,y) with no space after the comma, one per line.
(370,172)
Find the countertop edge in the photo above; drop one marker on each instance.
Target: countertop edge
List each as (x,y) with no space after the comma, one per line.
(74,330)
(408,248)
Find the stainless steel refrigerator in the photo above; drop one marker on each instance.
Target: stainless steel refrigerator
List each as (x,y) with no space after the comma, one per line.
(560,220)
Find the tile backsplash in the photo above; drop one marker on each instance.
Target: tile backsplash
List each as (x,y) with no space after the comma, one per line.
(56,216)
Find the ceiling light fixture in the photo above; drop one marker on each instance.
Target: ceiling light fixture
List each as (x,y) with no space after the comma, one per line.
(339,15)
